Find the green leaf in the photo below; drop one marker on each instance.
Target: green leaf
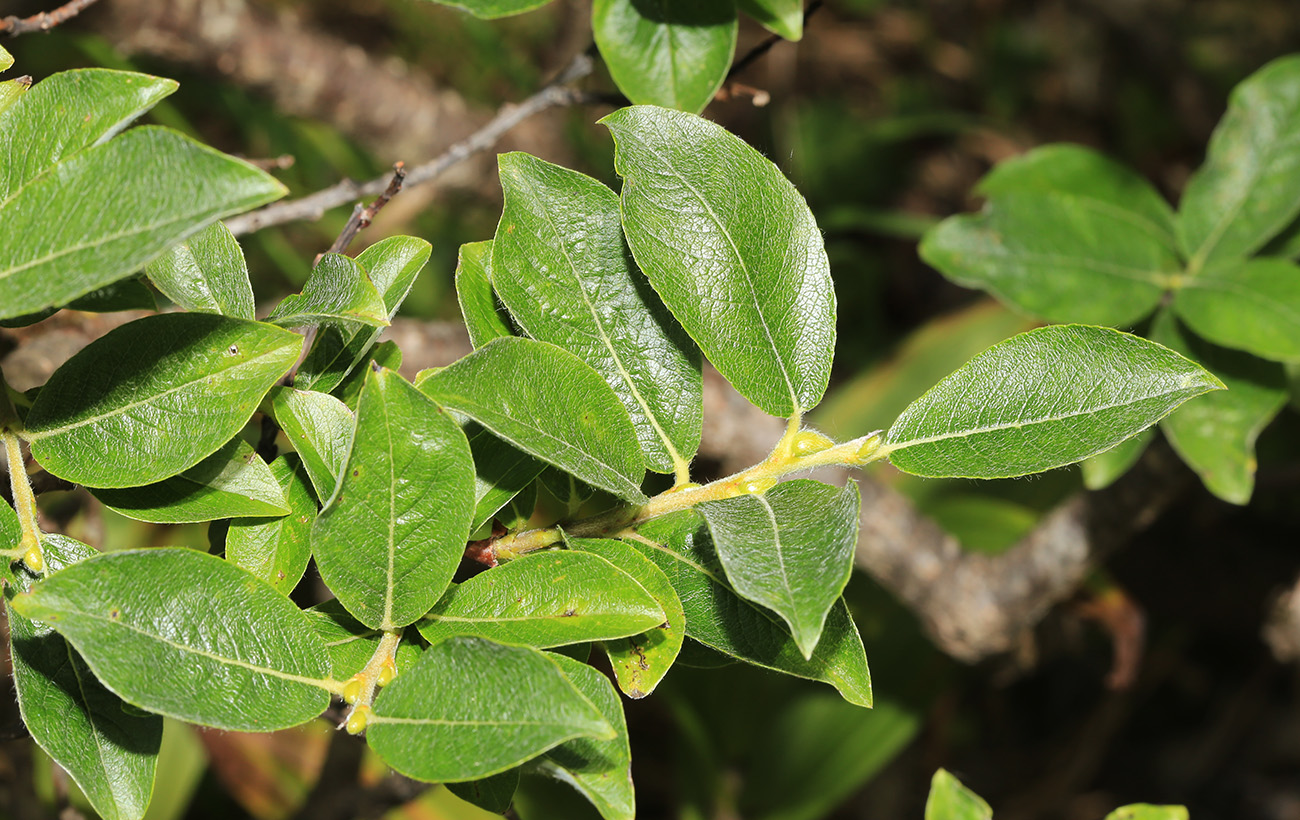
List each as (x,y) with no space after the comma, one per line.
(338,289)
(697,207)
(277,551)
(351,644)
(1248,190)
(1146,811)
(548,403)
(66,113)
(478,302)
(1252,306)
(109,749)
(674,53)
(1103,469)
(188,635)
(817,751)
(717,617)
(162,186)
(600,769)
(641,661)
(426,727)
(1084,174)
(560,265)
(491,9)
(1216,434)
(155,396)
(392,265)
(493,794)
(320,428)
(124,294)
(545,599)
(1058,256)
(383,355)
(6,59)
(501,472)
(206,273)
(790,550)
(232,482)
(950,800)
(1041,400)
(11,91)
(783,17)
(389,540)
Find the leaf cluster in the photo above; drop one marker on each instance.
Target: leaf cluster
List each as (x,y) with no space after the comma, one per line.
(591,312)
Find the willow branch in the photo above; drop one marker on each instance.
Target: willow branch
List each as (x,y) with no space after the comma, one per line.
(44,21)
(557,94)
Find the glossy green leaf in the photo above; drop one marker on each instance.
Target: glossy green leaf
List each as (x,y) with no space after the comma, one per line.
(6,59)
(383,355)
(338,289)
(1058,256)
(1146,811)
(1103,469)
(392,264)
(600,769)
(547,402)
(1248,190)
(163,187)
(478,302)
(790,550)
(389,540)
(1216,434)
(641,661)
(698,205)
(458,714)
(783,17)
(673,53)
(110,749)
(232,482)
(188,635)
(320,428)
(1252,306)
(717,617)
(277,550)
(493,794)
(491,9)
(560,265)
(206,273)
(1085,174)
(501,472)
(155,396)
(68,112)
(545,599)
(351,644)
(950,800)
(1041,400)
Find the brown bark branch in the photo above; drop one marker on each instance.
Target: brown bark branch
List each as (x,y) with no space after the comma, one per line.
(557,93)
(44,21)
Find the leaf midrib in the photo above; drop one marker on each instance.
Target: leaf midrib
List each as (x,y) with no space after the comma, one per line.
(748,277)
(36,435)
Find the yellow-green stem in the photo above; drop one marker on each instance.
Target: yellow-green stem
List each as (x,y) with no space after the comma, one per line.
(29,547)
(359,690)
(783,461)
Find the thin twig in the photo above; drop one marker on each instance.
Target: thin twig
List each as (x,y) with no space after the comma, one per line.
(556,94)
(363,216)
(766,45)
(44,21)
